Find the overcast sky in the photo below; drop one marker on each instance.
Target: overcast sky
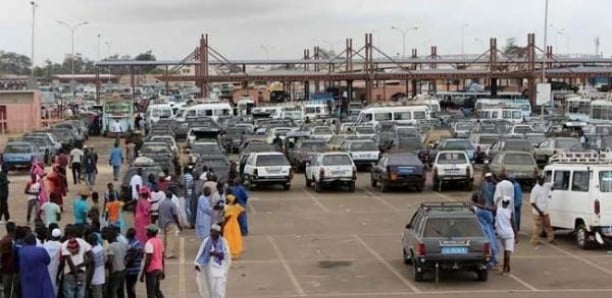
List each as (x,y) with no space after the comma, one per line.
(239,28)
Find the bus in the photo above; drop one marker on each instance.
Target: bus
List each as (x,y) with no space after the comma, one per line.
(578,108)
(399,114)
(514,115)
(601,111)
(121,110)
(521,103)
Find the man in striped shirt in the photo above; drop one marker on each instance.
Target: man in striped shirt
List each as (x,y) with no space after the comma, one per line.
(188,184)
(133,260)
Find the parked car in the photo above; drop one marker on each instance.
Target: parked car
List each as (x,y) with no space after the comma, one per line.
(267,168)
(482,142)
(457,144)
(445,236)
(552,146)
(19,154)
(220,164)
(331,169)
(44,145)
(462,129)
(518,164)
(452,167)
(510,144)
(304,150)
(148,166)
(363,152)
(398,170)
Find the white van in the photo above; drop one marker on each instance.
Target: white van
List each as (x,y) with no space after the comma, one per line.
(157,111)
(212,110)
(581,195)
(509,114)
(317,109)
(400,114)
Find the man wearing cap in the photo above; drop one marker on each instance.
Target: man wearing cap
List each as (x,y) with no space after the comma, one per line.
(153,268)
(80,207)
(487,191)
(212,263)
(53,247)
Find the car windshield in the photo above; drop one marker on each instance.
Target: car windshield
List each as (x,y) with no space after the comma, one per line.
(312,146)
(489,140)
(464,126)
(17,148)
(456,145)
(523,129)
(337,160)
(518,146)
(451,158)
(566,143)
(154,149)
(363,146)
(452,228)
(322,131)
(605,181)
(519,159)
(365,129)
(271,160)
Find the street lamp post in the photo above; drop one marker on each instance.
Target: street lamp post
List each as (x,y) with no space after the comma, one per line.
(98,53)
(72,29)
(267,50)
(545,40)
(463,39)
(404,32)
(108,48)
(34,5)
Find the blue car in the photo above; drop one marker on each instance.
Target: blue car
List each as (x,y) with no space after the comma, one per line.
(19,154)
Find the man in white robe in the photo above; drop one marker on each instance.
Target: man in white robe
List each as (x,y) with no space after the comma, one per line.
(212,263)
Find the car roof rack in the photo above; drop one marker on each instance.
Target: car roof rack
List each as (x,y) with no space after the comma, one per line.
(445,206)
(588,157)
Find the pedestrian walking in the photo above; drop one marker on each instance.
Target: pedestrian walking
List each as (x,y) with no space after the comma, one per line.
(80,208)
(538,200)
(57,185)
(157,195)
(50,211)
(53,247)
(35,279)
(32,190)
(7,259)
(231,228)
(518,202)
(504,226)
(115,160)
(170,224)
(204,214)
(4,195)
(242,197)
(136,183)
(487,191)
(142,216)
(133,260)
(212,264)
(76,255)
(188,184)
(117,252)
(76,159)
(153,269)
(96,288)
(90,167)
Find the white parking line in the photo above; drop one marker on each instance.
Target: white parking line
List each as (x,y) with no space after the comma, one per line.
(316,201)
(290,274)
(182,270)
(378,198)
(581,259)
(387,265)
(522,282)
(251,209)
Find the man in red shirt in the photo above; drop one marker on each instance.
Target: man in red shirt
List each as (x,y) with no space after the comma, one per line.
(154,264)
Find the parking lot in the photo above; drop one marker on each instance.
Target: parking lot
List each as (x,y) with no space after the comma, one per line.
(341,244)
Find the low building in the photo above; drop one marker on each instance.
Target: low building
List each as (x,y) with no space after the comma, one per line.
(20,111)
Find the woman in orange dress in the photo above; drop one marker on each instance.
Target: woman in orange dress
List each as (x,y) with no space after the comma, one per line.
(231,228)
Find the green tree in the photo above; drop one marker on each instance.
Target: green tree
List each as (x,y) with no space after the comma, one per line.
(14,63)
(146,56)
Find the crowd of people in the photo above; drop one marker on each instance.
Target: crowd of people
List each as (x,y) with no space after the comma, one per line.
(498,208)
(100,252)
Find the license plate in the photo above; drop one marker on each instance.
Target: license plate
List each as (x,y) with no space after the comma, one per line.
(454,250)
(273,170)
(337,172)
(405,171)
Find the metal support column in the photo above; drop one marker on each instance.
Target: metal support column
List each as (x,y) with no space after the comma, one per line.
(98,85)
(493,65)
(531,66)
(369,67)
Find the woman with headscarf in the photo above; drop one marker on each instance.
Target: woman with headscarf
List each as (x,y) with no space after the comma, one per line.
(231,228)
(56,185)
(242,197)
(142,215)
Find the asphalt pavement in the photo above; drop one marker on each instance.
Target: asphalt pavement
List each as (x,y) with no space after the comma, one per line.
(341,244)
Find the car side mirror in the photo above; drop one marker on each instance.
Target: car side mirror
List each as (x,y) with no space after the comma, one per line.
(408,226)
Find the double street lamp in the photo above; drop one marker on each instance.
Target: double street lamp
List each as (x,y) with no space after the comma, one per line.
(404,32)
(72,29)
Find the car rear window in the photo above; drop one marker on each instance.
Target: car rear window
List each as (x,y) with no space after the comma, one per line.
(566,143)
(271,160)
(451,158)
(154,149)
(337,160)
(519,159)
(364,146)
(452,228)
(518,146)
(14,148)
(489,140)
(312,146)
(456,145)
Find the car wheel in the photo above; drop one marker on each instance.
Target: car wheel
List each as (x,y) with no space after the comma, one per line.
(418,276)
(351,187)
(317,186)
(287,186)
(582,236)
(383,186)
(483,275)
(407,257)
(308,182)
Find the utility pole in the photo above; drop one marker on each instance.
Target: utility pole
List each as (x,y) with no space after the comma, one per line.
(99,35)
(34,5)
(463,39)
(545,40)
(72,29)
(404,32)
